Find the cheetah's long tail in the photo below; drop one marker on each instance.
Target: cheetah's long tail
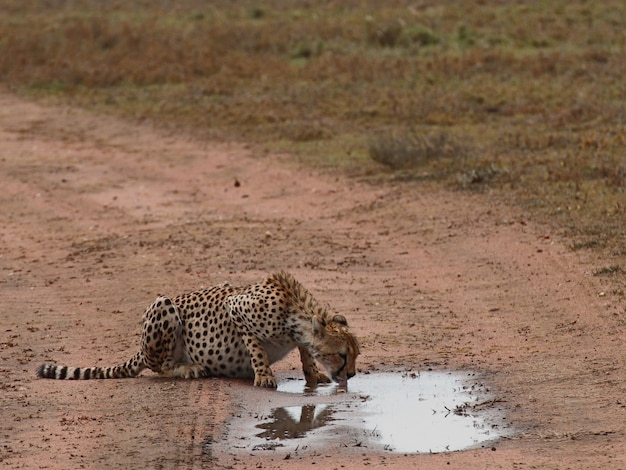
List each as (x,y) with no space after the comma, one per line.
(131,368)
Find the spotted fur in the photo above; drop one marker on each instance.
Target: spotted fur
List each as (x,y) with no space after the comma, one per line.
(234,332)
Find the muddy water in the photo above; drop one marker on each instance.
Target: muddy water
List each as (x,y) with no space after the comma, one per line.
(408,413)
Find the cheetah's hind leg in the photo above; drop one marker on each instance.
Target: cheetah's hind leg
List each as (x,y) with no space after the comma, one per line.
(162,342)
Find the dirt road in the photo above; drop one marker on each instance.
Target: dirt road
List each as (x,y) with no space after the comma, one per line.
(99,216)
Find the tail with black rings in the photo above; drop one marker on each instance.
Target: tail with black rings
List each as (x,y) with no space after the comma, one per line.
(131,368)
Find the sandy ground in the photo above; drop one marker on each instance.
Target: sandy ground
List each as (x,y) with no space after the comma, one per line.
(99,216)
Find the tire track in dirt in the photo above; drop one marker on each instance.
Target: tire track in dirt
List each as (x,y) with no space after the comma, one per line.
(100,216)
(56,250)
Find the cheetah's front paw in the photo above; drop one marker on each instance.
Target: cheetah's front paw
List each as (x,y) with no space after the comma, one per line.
(267,381)
(323,379)
(315,378)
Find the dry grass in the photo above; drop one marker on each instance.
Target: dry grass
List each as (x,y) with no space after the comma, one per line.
(531,94)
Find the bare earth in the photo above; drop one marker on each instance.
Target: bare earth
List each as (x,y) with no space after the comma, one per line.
(99,216)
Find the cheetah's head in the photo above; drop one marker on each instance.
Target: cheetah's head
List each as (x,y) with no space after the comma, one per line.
(337,348)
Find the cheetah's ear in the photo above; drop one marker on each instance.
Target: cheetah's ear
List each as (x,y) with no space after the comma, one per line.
(318,326)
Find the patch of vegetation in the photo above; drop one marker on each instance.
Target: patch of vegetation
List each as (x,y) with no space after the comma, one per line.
(608,271)
(480,176)
(588,244)
(524,99)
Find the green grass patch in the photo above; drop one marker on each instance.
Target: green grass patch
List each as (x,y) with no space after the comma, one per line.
(526,100)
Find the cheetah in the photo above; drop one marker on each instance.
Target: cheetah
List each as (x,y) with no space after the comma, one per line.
(237,332)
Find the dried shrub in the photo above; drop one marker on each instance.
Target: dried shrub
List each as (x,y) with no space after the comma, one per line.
(477,177)
(304,131)
(422,36)
(386,34)
(614,173)
(412,148)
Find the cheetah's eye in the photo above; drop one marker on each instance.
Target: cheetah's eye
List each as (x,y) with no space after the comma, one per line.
(343,356)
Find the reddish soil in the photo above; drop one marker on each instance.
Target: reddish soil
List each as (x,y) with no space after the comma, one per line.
(99,216)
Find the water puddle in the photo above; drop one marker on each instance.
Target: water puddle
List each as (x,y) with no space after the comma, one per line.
(410,413)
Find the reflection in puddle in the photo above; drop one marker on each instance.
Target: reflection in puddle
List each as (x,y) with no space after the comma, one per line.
(416,413)
(294,422)
(299,386)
